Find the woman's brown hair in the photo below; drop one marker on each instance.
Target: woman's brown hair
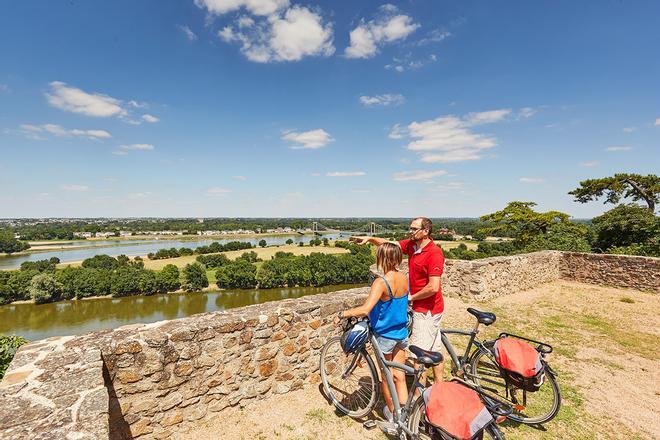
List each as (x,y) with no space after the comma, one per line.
(388,256)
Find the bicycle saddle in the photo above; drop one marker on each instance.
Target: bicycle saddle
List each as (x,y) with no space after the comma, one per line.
(426,357)
(486,318)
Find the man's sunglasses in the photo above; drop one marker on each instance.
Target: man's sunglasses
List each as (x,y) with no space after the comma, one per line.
(414,229)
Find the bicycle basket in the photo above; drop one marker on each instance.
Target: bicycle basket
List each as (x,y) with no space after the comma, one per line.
(520,362)
(456,411)
(355,337)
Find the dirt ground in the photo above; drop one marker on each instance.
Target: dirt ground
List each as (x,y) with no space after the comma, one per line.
(607,354)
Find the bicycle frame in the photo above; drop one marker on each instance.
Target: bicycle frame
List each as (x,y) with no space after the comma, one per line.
(459,362)
(400,413)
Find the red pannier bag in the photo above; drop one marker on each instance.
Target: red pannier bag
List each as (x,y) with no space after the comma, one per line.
(456,410)
(521,363)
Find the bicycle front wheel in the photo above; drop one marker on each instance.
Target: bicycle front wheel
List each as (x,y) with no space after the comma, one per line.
(422,430)
(530,408)
(350,381)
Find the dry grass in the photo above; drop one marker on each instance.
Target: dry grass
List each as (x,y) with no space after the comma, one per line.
(607,354)
(263,253)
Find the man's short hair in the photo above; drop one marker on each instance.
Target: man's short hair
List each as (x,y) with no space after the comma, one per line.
(426,224)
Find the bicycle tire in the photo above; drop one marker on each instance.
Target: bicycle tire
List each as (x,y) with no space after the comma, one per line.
(490,368)
(417,419)
(357,402)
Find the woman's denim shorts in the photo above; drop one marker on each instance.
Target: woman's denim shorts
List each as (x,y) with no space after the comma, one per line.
(387,345)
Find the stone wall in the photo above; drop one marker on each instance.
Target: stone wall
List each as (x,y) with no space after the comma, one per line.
(157,380)
(490,277)
(641,273)
(54,389)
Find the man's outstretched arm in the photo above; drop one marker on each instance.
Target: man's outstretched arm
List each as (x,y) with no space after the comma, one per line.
(373,240)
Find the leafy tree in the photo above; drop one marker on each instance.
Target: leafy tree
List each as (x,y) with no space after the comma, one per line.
(125,281)
(148,282)
(9,245)
(250,257)
(240,274)
(263,243)
(41,265)
(520,221)
(194,277)
(289,241)
(326,242)
(101,262)
(625,225)
(19,283)
(215,260)
(8,347)
(44,288)
(562,237)
(623,185)
(168,278)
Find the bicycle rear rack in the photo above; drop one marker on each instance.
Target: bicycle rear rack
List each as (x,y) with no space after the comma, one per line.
(542,346)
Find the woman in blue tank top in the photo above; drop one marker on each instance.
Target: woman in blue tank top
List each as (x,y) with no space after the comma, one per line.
(387,308)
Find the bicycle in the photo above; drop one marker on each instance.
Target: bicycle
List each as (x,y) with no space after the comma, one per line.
(480,367)
(350,382)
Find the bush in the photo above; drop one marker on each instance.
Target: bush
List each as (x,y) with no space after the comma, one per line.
(289,241)
(44,288)
(263,243)
(282,254)
(125,281)
(148,283)
(194,277)
(8,347)
(240,274)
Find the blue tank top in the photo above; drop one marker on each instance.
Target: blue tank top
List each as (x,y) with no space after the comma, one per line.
(389,319)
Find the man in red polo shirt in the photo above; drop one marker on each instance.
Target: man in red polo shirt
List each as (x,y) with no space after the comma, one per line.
(425,264)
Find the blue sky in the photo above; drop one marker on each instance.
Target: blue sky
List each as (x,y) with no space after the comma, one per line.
(307,108)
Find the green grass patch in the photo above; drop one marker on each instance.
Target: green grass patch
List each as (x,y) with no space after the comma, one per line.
(318,414)
(627,300)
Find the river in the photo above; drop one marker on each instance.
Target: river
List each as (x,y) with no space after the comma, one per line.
(133,248)
(41,321)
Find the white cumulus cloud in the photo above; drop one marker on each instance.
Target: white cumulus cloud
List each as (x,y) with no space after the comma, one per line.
(295,34)
(75,100)
(450,138)
(406,176)
(150,118)
(382,100)
(387,27)
(58,130)
(190,35)
(589,164)
(256,7)
(345,173)
(312,139)
(657,122)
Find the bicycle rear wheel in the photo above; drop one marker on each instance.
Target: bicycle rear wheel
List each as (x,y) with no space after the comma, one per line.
(418,425)
(350,381)
(530,408)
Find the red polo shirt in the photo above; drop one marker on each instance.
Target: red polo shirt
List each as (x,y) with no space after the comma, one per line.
(422,264)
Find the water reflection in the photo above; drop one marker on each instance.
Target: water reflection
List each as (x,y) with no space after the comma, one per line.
(74,317)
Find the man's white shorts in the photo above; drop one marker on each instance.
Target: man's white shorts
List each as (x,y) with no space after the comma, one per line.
(425,331)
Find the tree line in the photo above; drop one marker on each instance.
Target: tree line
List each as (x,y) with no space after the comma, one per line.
(101,275)
(213,248)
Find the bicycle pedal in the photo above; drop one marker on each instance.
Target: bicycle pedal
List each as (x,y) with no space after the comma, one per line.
(369,424)
(388,428)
